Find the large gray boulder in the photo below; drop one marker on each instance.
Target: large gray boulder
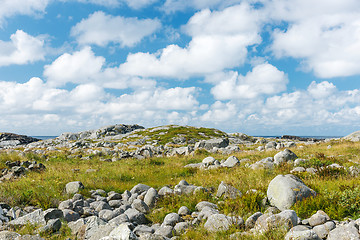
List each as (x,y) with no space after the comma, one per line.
(284,156)
(354,137)
(36,217)
(285,191)
(344,232)
(212,143)
(268,221)
(122,232)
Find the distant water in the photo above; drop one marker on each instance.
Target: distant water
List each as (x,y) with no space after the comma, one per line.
(44,137)
(315,137)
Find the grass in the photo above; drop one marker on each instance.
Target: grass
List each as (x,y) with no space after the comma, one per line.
(338,191)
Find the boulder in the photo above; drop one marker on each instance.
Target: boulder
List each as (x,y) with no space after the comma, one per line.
(122,232)
(284,156)
(151,197)
(73,187)
(320,217)
(212,143)
(35,217)
(221,222)
(230,162)
(227,191)
(171,219)
(284,191)
(354,137)
(301,233)
(268,221)
(344,232)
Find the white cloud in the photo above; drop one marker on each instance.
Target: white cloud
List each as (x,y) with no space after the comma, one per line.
(171,6)
(135,4)
(11,8)
(80,67)
(221,112)
(316,35)
(101,29)
(264,79)
(22,49)
(219,41)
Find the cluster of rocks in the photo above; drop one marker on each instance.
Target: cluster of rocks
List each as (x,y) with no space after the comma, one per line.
(211,163)
(18,169)
(12,140)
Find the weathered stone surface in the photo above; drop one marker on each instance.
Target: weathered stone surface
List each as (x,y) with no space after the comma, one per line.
(183,211)
(323,230)
(232,161)
(284,191)
(354,137)
(301,233)
(219,222)
(181,227)
(344,232)
(73,187)
(284,156)
(250,222)
(11,139)
(320,217)
(53,213)
(151,197)
(171,219)
(201,205)
(267,221)
(140,206)
(165,230)
(7,235)
(122,232)
(227,191)
(35,217)
(213,143)
(139,188)
(70,215)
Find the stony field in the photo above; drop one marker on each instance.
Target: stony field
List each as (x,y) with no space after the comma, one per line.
(174,182)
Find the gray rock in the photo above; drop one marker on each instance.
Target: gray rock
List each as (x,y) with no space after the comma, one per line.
(165,230)
(7,235)
(212,143)
(114,196)
(171,219)
(141,229)
(67,204)
(298,169)
(73,187)
(122,218)
(354,137)
(136,216)
(227,191)
(323,230)
(265,163)
(181,227)
(53,213)
(344,232)
(165,191)
(184,189)
(75,226)
(201,205)
(219,222)
(107,214)
(115,203)
(320,217)
(284,156)
(101,206)
(267,221)
(270,145)
(250,222)
(140,206)
(301,233)
(209,161)
(183,211)
(139,188)
(70,215)
(284,191)
(151,197)
(53,225)
(232,161)
(36,217)
(122,232)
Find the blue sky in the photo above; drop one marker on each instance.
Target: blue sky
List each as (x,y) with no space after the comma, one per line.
(266,67)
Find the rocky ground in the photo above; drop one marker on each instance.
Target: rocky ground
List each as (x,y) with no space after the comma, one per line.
(110,215)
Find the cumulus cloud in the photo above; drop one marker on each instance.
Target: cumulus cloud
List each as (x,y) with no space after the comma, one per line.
(101,29)
(79,67)
(219,41)
(264,79)
(21,49)
(180,5)
(316,35)
(135,4)
(89,105)
(10,8)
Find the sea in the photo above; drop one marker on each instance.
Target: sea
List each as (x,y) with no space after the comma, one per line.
(44,137)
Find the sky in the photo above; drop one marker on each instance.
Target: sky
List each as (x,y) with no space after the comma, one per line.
(260,67)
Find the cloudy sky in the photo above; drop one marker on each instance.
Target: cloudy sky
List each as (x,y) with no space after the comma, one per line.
(267,67)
